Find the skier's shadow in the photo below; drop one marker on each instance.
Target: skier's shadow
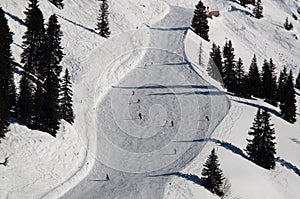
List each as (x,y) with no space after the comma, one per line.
(98,180)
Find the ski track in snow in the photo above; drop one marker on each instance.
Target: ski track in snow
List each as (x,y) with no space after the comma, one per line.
(131,150)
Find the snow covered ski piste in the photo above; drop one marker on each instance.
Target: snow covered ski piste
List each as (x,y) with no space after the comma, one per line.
(136,142)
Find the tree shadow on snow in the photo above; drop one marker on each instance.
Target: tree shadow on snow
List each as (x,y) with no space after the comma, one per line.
(288,165)
(77,24)
(190,177)
(190,93)
(169,29)
(270,110)
(234,149)
(233,9)
(15,18)
(166,87)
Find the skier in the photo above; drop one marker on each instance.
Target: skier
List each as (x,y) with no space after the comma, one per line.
(138,101)
(175,151)
(140,116)
(107,178)
(172,123)
(132,92)
(207,118)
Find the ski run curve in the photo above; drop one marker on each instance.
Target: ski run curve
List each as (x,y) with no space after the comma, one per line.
(136,142)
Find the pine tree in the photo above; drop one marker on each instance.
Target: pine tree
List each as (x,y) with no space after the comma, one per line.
(7,86)
(254,79)
(66,106)
(25,108)
(297,85)
(39,112)
(199,22)
(53,51)
(212,176)
(244,2)
(51,104)
(241,89)
(229,73)
(261,149)
(269,86)
(282,80)
(33,40)
(58,3)
(215,66)
(258,9)
(288,100)
(103,24)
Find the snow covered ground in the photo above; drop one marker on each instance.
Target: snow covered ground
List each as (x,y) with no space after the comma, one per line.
(152,52)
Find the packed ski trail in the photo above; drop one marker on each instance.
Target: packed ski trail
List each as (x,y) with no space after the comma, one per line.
(136,141)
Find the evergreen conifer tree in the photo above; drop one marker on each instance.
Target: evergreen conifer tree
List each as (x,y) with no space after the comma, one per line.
(34,40)
(39,112)
(288,100)
(51,104)
(297,85)
(25,108)
(102,25)
(241,89)
(282,80)
(261,149)
(7,86)
(199,22)
(254,79)
(258,9)
(212,176)
(58,3)
(66,102)
(229,73)
(215,66)
(269,86)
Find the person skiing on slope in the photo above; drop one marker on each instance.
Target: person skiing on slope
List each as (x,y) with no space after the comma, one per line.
(107,177)
(140,116)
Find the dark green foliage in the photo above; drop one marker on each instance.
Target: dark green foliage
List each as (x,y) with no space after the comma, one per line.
(229,73)
(244,2)
(7,86)
(199,22)
(261,149)
(288,25)
(212,176)
(25,108)
(66,106)
(34,40)
(39,114)
(297,85)
(282,80)
(254,84)
(241,88)
(288,99)
(258,9)
(102,25)
(51,104)
(215,65)
(269,86)
(58,3)
(53,50)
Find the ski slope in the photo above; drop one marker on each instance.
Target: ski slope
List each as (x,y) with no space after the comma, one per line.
(133,151)
(152,52)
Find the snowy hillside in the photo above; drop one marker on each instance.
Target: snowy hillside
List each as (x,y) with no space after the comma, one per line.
(130,88)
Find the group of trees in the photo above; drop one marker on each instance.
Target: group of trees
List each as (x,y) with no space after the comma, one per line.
(43,99)
(223,66)
(260,150)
